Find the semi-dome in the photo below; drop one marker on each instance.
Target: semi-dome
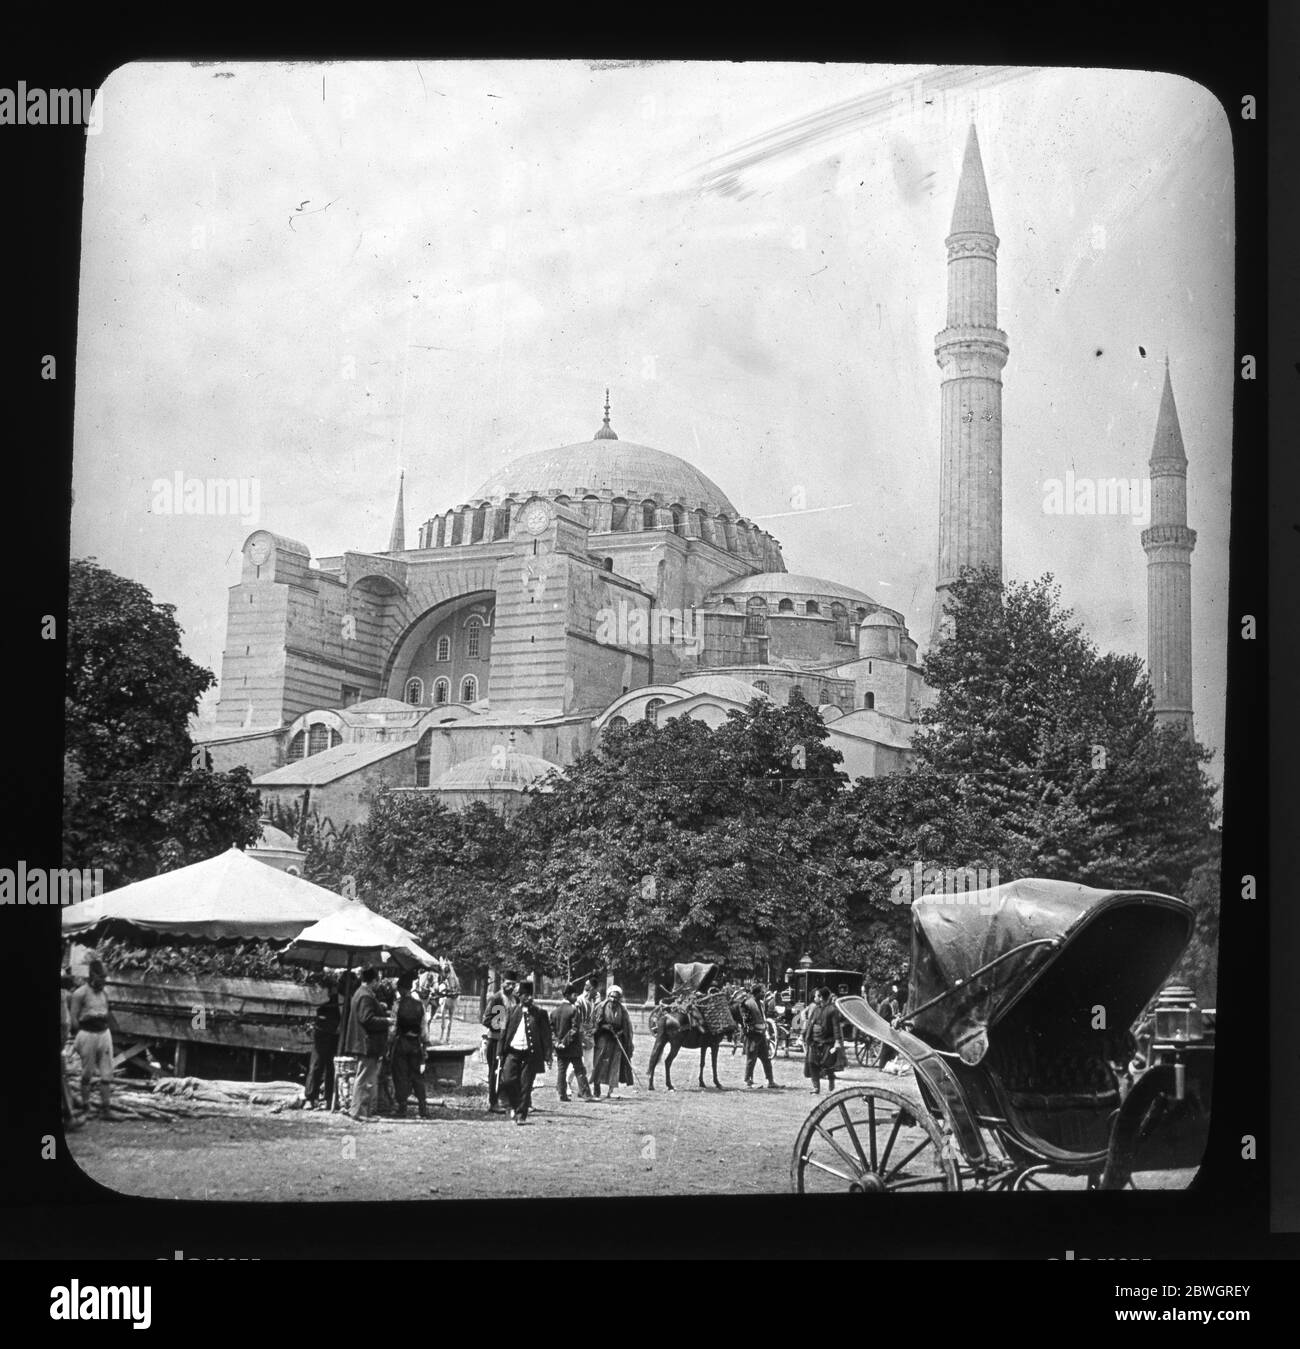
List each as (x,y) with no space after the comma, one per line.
(607,467)
(723,686)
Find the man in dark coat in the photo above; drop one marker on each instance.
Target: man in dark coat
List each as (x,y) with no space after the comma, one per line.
(408,1049)
(495,1014)
(525,1050)
(890,1009)
(611,1064)
(367,1038)
(757,1049)
(566,1035)
(325,1044)
(823,1038)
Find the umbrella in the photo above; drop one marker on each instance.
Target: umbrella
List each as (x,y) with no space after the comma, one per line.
(354,936)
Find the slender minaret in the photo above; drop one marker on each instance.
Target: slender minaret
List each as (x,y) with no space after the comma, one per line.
(397,539)
(1168,544)
(971,352)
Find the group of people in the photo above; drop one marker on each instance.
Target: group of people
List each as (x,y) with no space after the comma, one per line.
(415,1014)
(588,1037)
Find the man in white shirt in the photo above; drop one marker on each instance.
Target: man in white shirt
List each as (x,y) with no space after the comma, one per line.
(525,1052)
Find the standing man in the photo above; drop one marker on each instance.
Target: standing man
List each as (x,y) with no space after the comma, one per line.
(495,1016)
(324,1045)
(408,1049)
(890,1009)
(586,1005)
(566,1035)
(756,1047)
(65,1031)
(367,1038)
(611,1063)
(525,1050)
(88,1010)
(823,1038)
(450,997)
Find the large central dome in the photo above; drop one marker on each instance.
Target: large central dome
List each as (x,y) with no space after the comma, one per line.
(607,467)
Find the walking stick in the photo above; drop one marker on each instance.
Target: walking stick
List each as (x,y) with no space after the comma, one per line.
(628,1061)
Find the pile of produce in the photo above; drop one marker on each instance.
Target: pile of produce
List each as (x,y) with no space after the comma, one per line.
(252,959)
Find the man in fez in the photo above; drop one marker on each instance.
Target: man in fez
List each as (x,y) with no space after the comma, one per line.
(525,1049)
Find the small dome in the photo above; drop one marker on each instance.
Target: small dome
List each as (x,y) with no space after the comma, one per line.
(724,686)
(882,618)
(272,839)
(512,772)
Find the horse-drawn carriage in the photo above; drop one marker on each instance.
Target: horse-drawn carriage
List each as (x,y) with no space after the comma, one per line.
(1020,1004)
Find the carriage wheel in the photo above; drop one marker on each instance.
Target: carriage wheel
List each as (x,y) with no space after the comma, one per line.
(868,1140)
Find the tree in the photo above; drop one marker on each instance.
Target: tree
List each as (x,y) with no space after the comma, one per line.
(1056,746)
(137,800)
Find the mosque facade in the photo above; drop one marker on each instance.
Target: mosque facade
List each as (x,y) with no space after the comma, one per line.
(608,580)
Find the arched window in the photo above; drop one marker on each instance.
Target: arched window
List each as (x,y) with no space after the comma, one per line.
(423,756)
(841,616)
(647,515)
(441,691)
(824,696)
(501,521)
(679,520)
(617,724)
(761,686)
(318,738)
(444,648)
(785,607)
(618,517)
(812,607)
(415,692)
(297,746)
(869,701)
(652,709)
(479,519)
(473,631)
(862,614)
(469,689)
(728,604)
(756,617)
(609,564)
(335,739)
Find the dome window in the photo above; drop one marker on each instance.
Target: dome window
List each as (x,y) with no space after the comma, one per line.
(297,747)
(760,686)
(469,689)
(617,724)
(423,758)
(756,617)
(415,692)
(318,738)
(652,710)
(812,607)
(785,607)
(441,691)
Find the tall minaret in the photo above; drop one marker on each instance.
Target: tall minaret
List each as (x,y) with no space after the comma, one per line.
(971,352)
(1168,544)
(397,539)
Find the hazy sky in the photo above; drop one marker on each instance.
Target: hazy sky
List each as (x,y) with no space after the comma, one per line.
(313,276)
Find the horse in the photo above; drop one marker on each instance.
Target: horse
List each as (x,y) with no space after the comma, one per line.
(676,1031)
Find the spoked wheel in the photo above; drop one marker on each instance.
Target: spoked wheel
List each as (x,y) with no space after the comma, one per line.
(867,1140)
(866,1050)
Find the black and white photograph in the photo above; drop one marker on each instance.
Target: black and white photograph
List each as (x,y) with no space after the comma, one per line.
(649,643)
(647,629)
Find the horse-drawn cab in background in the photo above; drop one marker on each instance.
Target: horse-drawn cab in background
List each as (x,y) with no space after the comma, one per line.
(1018,1032)
(799,989)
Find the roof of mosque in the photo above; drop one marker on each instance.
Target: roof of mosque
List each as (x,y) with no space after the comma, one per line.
(790,583)
(603,466)
(723,686)
(509,772)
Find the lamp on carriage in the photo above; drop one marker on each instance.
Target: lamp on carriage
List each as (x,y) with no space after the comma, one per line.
(805,962)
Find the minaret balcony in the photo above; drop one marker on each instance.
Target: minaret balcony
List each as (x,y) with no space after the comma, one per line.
(1178,535)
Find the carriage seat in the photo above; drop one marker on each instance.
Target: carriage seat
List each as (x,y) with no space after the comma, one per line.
(1059,1098)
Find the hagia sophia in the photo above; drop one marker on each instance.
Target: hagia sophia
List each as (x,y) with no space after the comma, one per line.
(608,581)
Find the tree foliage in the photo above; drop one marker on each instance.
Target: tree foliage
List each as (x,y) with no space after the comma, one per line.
(135,801)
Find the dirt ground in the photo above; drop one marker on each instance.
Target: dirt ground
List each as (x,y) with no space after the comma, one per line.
(686,1142)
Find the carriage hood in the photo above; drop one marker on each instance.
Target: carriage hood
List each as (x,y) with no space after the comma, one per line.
(1087,947)
(694,978)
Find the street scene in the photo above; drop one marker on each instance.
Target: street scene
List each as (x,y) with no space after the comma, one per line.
(474,800)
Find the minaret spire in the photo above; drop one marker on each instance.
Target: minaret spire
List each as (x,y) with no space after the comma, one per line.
(971,352)
(397,539)
(1168,544)
(606,432)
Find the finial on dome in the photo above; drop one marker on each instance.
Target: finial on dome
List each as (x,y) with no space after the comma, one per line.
(606,432)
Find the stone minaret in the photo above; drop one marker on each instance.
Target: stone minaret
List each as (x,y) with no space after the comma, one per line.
(971,352)
(1168,544)
(397,539)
